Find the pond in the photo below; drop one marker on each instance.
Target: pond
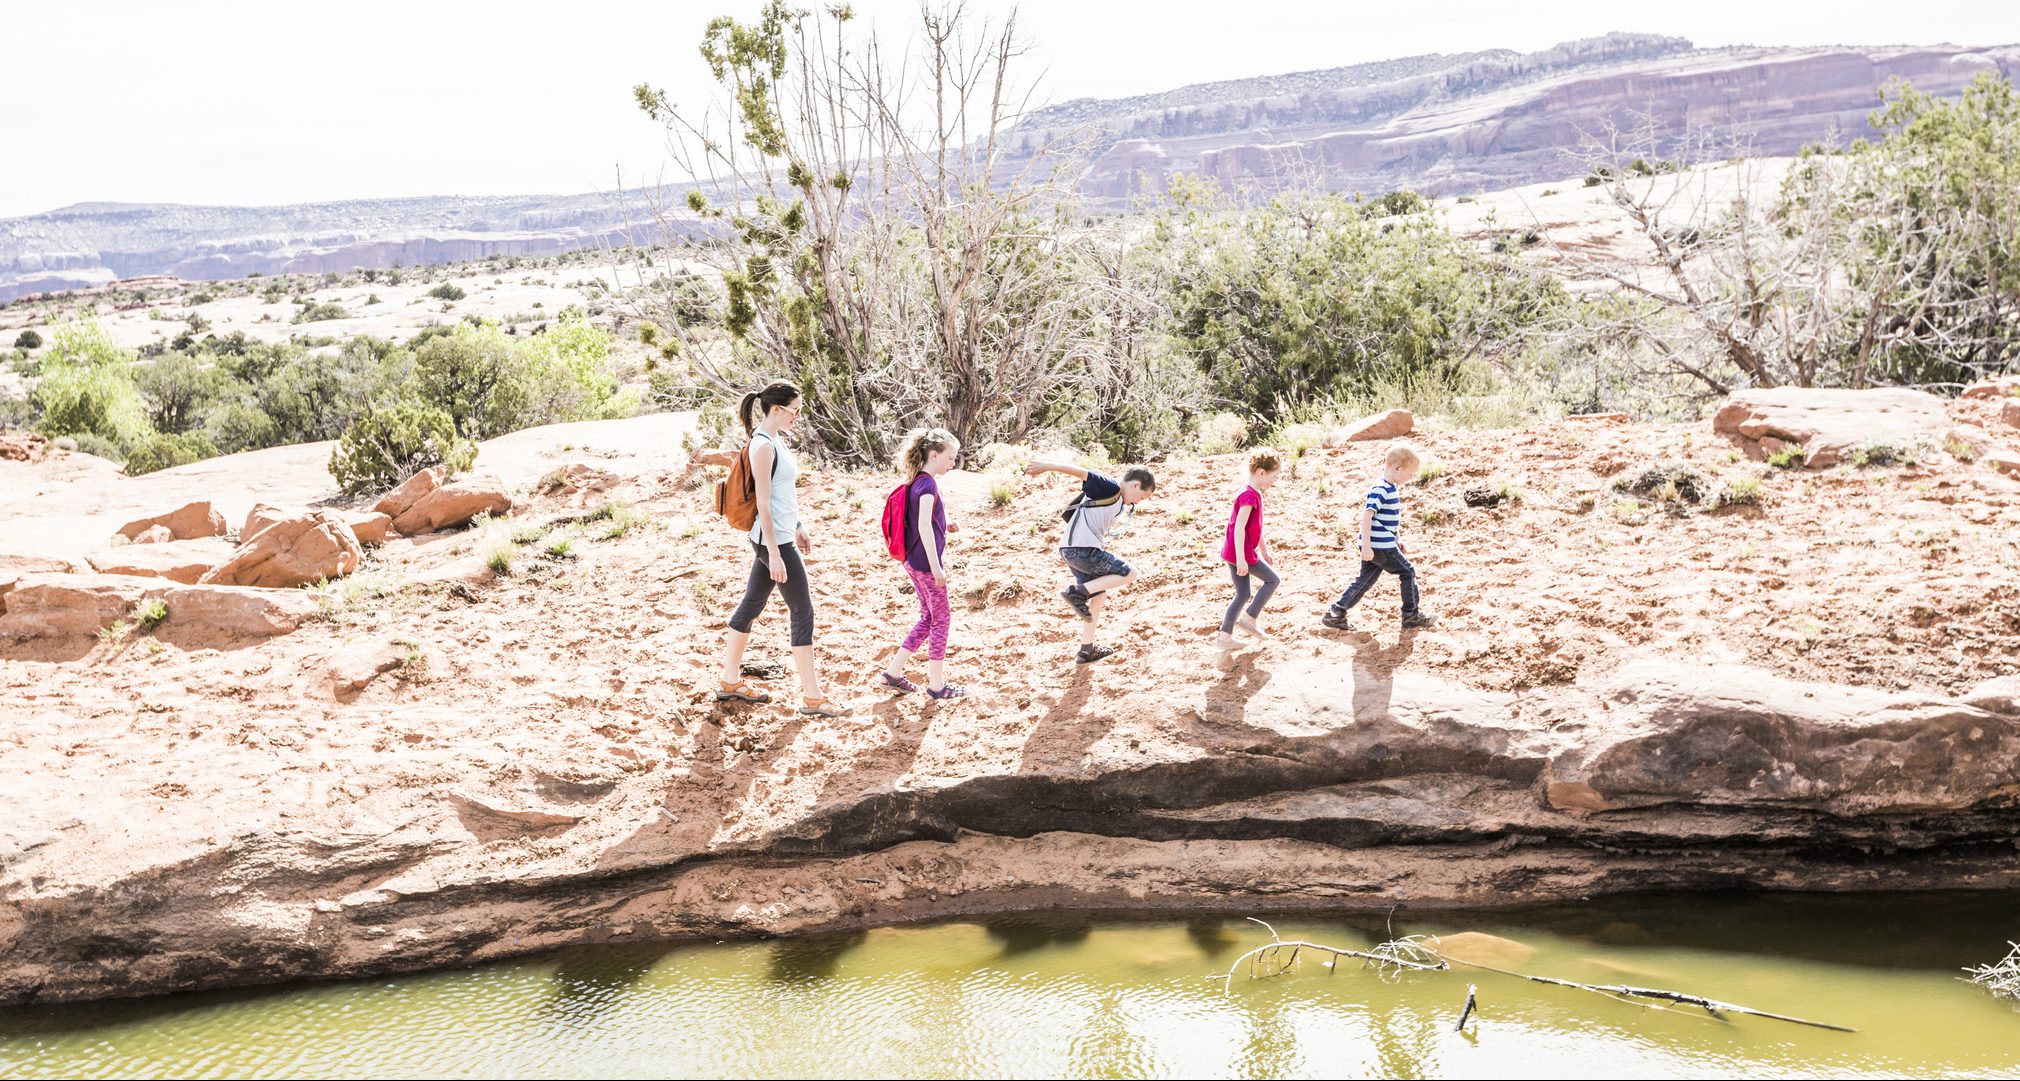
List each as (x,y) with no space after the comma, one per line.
(1066,994)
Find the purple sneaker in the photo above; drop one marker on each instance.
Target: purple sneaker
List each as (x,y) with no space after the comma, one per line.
(951,690)
(899,683)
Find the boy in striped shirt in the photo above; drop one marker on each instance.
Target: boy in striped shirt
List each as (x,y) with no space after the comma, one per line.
(1382,545)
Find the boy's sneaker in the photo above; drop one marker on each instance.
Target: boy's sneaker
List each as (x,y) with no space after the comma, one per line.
(1077,597)
(1336,620)
(1420,619)
(1090,653)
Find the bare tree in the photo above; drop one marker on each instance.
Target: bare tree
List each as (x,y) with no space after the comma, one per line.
(874,233)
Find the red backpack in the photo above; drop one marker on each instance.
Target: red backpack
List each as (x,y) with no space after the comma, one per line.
(894,520)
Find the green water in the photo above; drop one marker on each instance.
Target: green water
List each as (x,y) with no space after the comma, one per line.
(1102,996)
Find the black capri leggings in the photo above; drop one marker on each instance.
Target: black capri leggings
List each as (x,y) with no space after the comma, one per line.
(799,602)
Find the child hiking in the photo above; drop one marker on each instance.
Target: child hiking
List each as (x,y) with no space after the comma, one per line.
(1247,554)
(1096,571)
(779,541)
(1382,544)
(925,456)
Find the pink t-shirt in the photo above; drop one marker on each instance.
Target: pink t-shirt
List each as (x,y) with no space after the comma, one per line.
(1252,539)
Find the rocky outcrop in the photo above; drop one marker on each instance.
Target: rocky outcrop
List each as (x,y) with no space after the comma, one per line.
(292,552)
(67,605)
(1321,788)
(1830,425)
(451,504)
(395,503)
(184,523)
(1391,424)
(369,527)
(211,616)
(178,561)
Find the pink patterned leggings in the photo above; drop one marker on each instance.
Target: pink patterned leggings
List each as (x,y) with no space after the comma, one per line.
(935,618)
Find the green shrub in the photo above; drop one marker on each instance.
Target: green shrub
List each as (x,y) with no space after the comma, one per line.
(316,313)
(87,388)
(1744,492)
(386,446)
(179,389)
(168,451)
(28,339)
(149,612)
(236,426)
(447,291)
(1789,457)
(1222,433)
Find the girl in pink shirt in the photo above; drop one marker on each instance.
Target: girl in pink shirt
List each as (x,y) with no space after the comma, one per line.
(1247,554)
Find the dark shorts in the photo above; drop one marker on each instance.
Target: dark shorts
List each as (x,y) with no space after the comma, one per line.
(1088,564)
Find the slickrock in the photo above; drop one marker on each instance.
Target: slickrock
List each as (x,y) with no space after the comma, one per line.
(184,523)
(178,561)
(1829,424)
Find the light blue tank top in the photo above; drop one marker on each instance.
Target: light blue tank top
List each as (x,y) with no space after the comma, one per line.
(785,492)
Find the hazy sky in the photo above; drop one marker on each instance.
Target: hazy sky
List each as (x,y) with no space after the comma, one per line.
(255,103)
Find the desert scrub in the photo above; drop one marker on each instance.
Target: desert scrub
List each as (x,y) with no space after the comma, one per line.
(1630,511)
(528,533)
(690,531)
(1744,492)
(1186,517)
(1586,501)
(1789,457)
(618,518)
(1222,433)
(447,291)
(1881,453)
(115,635)
(559,546)
(358,591)
(1002,492)
(1959,449)
(1298,439)
(1430,471)
(149,612)
(1671,484)
(413,662)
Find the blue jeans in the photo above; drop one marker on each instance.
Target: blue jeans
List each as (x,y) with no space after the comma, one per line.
(1257,572)
(1386,559)
(1087,564)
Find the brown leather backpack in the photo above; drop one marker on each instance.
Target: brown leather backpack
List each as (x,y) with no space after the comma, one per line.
(736,494)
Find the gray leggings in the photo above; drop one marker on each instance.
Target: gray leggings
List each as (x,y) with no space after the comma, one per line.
(799,602)
(1257,572)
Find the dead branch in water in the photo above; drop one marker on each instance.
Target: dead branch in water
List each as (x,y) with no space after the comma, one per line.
(1263,963)
(1467,1011)
(1411,953)
(2003,978)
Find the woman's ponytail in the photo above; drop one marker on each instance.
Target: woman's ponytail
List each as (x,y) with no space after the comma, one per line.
(775,394)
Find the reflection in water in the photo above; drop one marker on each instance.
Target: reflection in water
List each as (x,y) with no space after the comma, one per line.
(1088,997)
(1023,934)
(811,958)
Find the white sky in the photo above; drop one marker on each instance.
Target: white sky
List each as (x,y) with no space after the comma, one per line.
(260,103)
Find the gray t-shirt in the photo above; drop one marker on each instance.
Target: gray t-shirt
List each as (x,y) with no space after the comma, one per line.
(785,492)
(1089,527)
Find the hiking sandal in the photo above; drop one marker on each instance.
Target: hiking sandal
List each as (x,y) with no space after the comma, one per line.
(1090,653)
(742,692)
(822,707)
(951,690)
(899,683)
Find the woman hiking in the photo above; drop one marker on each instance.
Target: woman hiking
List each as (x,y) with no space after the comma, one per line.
(779,541)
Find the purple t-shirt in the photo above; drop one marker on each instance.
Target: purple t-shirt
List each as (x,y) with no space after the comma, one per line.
(915,553)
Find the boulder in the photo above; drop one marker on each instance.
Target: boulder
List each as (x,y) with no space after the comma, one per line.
(357,664)
(2003,460)
(22,446)
(183,523)
(1829,424)
(395,503)
(292,552)
(370,526)
(211,615)
(156,534)
(2010,412)
(1389,425)
(452,505)
(1993,388)
(15,567)
(61,605)
(182,561)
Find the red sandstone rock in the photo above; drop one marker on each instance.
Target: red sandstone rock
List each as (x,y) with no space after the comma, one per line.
(213,615)
(1993,388)
(1389,425)
(292,552)
(182,561)
(452,505)
(2010,412)
(1829,424)
(155,534)
(395,503)
(22,446)
(66,605)
(187,522)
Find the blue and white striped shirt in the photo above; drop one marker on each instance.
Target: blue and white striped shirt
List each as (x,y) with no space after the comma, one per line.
(1387,503)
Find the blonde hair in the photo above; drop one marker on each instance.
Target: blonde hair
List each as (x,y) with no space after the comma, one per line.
(1264,461)
(921,443)
(1401,454)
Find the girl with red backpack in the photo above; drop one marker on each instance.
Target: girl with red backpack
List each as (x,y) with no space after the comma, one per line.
(915,531)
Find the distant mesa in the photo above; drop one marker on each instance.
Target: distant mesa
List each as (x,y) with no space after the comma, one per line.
(1438,124)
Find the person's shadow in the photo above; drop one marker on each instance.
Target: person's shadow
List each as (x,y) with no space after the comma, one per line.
(1375,668)
(1227,699)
